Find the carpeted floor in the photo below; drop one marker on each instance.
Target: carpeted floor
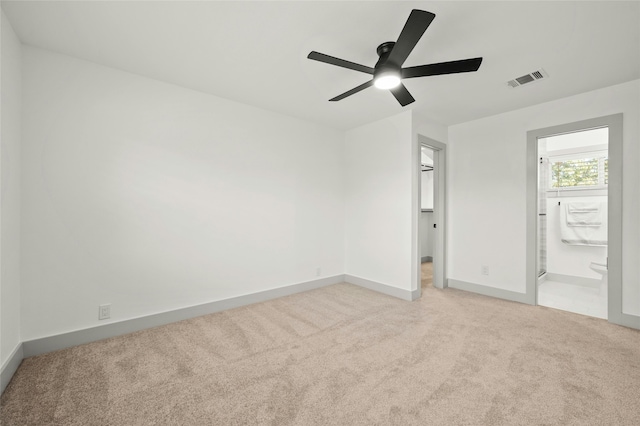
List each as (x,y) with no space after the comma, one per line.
(426,277)
(343,355)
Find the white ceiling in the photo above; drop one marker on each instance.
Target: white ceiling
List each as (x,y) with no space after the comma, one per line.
(255,52)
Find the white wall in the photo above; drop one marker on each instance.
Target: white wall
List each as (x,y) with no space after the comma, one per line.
(152,197)
(426,234)
(487,191)
(584,139)
(10,100)
(426,187)
(436,131)
(568,259)
(379,188)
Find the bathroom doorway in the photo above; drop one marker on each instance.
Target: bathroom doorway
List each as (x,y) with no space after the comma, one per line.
(599,260)
(572,221)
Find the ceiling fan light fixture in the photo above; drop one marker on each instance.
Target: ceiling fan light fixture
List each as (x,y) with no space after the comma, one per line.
(388,72)
(387,80)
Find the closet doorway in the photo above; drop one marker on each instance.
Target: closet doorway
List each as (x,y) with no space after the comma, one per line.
(432,223)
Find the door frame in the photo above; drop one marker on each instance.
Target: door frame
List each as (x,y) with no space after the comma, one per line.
(439,210)
(614,123)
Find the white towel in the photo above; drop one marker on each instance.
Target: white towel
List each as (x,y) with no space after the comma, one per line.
(581,224)
(584,214)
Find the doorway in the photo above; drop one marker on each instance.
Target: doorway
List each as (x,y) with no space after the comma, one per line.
(427,221)
(572,221)
(613,262)
(432,221)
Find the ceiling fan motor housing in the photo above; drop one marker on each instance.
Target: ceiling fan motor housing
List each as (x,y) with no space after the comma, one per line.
(383,66)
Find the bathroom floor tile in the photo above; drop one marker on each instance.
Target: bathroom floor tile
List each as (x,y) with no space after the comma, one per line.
(573,298)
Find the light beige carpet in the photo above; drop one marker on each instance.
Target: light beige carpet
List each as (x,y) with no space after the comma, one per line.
(426,277)
(343,355)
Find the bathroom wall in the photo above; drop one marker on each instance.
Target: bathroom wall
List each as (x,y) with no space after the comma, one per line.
(568,259)
(563,258)
(543,171)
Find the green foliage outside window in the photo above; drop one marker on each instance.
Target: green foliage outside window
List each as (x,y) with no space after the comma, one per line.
(571,173)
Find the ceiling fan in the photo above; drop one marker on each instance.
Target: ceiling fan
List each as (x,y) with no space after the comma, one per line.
(388,72)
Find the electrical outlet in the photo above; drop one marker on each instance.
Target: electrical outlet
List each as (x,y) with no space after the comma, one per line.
(104,311)
(318,271)
(485,270)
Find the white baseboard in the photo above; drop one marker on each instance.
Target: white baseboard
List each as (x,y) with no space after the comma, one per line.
(10,366)
(488,291)
(79,337)
(382,288)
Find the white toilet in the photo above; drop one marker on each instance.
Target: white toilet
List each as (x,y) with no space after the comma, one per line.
(601,268)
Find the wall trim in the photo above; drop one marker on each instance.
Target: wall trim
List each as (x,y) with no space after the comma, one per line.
(74,338)
(628,320)
(426,259)
(490,291)
(382,288)
(10,366)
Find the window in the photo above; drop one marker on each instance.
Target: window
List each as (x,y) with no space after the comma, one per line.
(585,170)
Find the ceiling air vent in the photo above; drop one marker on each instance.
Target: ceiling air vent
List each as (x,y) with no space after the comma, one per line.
(528,78)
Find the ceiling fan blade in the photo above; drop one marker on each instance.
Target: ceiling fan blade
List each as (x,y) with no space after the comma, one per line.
(417,24)
(402,95)
(452,67)
(321,57)
(352,91)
